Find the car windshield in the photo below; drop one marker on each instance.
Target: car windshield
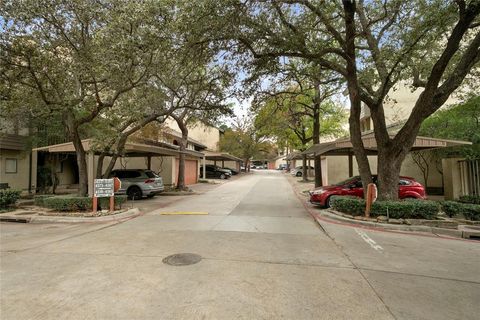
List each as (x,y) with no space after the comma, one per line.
(347,181)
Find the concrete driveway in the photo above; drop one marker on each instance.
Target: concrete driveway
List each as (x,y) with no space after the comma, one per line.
(263,257)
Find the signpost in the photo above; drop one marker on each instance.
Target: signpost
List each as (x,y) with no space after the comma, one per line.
(104,188)
(371,197)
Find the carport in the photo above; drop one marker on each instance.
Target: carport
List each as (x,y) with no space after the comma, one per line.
(344,147)
(132,150)
(220,157)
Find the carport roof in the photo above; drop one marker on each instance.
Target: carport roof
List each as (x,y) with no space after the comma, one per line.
(344,146)
(132,149)
(219,156)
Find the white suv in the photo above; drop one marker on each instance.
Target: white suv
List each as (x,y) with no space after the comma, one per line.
(137,183)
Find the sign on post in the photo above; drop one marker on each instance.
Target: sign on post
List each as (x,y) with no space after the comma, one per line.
(103,188)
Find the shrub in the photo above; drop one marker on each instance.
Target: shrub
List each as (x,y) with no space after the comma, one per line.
(68,203)
(349,205)
(39,200)
(468,210)
(470,199)
(104,203)
(8,197)
(406,209)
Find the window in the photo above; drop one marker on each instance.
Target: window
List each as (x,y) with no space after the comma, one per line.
(10,165)
(404,182)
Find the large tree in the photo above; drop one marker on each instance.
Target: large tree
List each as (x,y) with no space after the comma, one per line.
(374,46)
(78,58)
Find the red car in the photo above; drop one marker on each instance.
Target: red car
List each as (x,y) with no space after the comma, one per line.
(407,188)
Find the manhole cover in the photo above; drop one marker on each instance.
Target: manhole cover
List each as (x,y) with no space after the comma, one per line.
(182,259)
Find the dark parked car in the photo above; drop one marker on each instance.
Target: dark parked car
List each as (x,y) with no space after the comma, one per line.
(138,183)
(234,171)
(407,188)
(213,171)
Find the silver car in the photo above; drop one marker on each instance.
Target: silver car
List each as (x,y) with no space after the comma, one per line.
(138,183)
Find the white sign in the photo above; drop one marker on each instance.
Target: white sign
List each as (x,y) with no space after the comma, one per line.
(103,188)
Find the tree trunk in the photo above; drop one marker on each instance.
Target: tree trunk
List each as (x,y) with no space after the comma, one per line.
(354,95)
(181,159)
(304,168)
(100,166)
(81,162)
(389,165)
(316,138)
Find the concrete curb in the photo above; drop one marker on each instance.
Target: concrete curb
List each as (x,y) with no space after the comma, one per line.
(129,214)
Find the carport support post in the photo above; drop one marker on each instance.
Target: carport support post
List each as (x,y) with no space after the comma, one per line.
(223,164)
(204,168)
(90,172)
(350,165)
(149,162)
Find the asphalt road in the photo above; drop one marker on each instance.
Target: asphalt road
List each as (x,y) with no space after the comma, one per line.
(263,257)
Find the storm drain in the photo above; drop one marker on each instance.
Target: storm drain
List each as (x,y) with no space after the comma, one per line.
(182,259)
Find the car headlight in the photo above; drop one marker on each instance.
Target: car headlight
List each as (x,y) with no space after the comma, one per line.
(317,192)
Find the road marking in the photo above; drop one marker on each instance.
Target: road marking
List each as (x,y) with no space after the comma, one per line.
(184,212)
(369,240)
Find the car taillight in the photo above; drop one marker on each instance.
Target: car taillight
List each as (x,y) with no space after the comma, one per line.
(149,181)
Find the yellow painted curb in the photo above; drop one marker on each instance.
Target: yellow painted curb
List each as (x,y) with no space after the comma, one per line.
(184,212)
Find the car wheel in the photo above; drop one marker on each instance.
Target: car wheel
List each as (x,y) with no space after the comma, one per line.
(134,193)
(298,174)
(327,202)
(222,176)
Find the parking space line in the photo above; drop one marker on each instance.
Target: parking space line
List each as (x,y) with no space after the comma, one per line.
(369,240)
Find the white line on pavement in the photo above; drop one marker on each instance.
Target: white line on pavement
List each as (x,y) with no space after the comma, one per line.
(369,240)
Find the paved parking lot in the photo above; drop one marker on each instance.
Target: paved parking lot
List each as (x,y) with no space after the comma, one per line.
(263,257)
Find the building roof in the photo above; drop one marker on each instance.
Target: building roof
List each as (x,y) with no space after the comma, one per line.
(132,149)
(219,156)
(344,146)
(12,142)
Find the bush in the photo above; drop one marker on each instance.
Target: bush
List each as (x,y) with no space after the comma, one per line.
(349,205)
(104,203)
(470,199)
(468,210)
(406,209)
(39,200)
(68,203)
(8,197)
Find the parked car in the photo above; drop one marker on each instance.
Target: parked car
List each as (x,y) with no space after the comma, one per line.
(407,188)
(233,171)
(282,166)
(138,183)
(298,171)
(213,171)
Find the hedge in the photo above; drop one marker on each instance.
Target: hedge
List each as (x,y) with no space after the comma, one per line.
(470,199)
(68,203)
(468,210)
(39,200)
(104,203)
(76,203)
(406,209)
(8,197)
(348,204)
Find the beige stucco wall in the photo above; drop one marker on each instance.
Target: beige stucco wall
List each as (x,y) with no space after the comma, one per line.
(451,175)
(209,136)
(66,177)
(17,180)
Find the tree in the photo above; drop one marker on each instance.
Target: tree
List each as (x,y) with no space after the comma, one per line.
(303,91)
(77,59)
(431,45)
(243,141)
(456,122)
